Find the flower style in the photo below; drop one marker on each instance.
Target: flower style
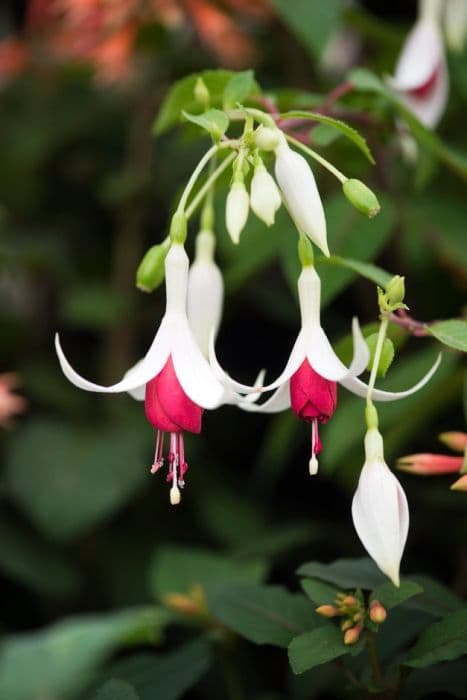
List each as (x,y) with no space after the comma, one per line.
(174,378)
(421,75)
(308,381)
(434,464)
(379,509)
(298,186)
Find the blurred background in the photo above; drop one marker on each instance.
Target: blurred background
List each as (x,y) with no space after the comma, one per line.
(85,189)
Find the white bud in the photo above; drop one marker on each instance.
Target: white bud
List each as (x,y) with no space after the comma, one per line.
(265,198)
(267,138)
(236,210)
(205,292)
(298,186)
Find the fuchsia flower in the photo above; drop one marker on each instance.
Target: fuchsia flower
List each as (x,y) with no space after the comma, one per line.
(308,383)
(174,378)
(426,464)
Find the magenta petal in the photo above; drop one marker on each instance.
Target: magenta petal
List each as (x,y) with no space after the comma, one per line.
(312,396)
(154,411)
(175,403)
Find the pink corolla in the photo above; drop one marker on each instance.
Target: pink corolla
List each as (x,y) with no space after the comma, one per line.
(173,378)
(421,77)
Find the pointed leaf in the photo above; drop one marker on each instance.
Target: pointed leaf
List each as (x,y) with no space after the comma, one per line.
(436,599)
(390,596)
(345,573)
(452,333)
(213,121)
(315,648)
(239,87)
(444,641)
(320,593)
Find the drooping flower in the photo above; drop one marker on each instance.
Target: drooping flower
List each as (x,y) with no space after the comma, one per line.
(265,198)
(421,76)
(237,207)
(298,186)
(308,381)
(379,509)
(174,378)
(426,464)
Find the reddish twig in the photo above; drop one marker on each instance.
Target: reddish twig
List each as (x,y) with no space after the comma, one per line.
(401,318)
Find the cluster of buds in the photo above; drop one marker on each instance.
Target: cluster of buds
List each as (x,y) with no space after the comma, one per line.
(351,607)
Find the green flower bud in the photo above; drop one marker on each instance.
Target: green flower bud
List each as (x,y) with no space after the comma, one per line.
(201,93)
(361,197)
(150,272)
(395,290)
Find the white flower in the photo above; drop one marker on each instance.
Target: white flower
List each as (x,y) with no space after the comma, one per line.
(236,210)
(421,77)
(301,196)
(379,509)
(455,24)
(265,198)
(205,292)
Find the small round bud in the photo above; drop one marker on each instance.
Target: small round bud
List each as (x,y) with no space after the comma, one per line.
(352,635)
(361,197)
(378,614)
(395,290)
(266,138)
(201,93)
(327,611)
(350,601)
(150,272)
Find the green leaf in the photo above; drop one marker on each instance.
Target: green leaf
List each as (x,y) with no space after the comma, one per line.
(312,22)
(181,97)
(117,690)
(213,121)
(436,599)
(178,569)
(263,614)
(60,659)
(25,558)
(89,473)
(343,128)
(320,593)
(238,88)
(370,272)
(164,676)
(441,678)
(452,333)
(345,573)
(324,135)
(390,596)
(444,641)
(387,354)
(315,648)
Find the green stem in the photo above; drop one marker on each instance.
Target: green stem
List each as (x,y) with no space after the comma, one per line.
(325,163)
(373,655)
(378,350)
(198,198)
(197,172)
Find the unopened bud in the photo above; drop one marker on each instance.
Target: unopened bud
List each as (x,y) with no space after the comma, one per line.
(361,197)
(378,614)
(181,603)
(350,601)
(346,625)
(460,484)
(267,138)
(327,611)
(201,93)
(236,210)
(395,290)
(352,635)
(454,440)
(150,272)
(265,198)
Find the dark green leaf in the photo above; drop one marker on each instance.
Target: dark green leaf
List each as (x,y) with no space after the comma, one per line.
(263,614)
(312,22)
(340,126)
(315,648)
(238,88)
(436,599)
(320,593)
(345,573)
(452,333)
(441,678)
(116,690)
(444,641)
(213,121)
(390,596)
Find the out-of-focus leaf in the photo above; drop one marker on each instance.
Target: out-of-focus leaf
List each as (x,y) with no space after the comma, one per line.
(436,599)
(178,569)
(214,121)
(88,474)
(365,80)
(345,573)
(181,97)
(340,126)
(441,678)
(371,272)
(444,641)
(263,614)
(452,333)
(164,676)
(390,595)
(316,647)
(31,561)
(312,22)
(238,88)
(58,661)
(117,690)
(94,306)
(387,354)
(320,593)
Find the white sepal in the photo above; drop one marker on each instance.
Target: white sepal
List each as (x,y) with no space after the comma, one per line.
(205,298)
(379,510)
(265,198)
(236,210)
(298,187)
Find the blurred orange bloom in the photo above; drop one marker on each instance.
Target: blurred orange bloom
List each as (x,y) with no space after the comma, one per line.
(11,404)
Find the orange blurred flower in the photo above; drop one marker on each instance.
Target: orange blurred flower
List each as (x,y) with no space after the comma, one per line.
(11,404)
